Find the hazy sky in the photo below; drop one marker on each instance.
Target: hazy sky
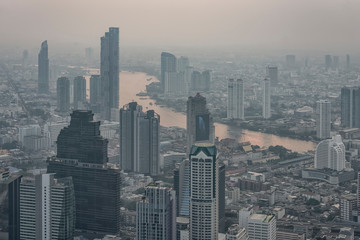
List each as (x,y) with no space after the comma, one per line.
(316,24)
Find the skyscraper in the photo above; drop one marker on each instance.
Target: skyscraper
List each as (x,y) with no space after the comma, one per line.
(221,204)
(336,62)
(204,192)
(182,64)
(47,208)
(330,153)
(63,94)
(43,68)
(199,123)
(182,188)
(266,99)
(168,64)
(323,119)
(350,107)
(95,93)
(273,74)
(79,91)
(9,204)
(139,140)
(82,155)
(109,71)
(235,101)
(200,81)
(156,214)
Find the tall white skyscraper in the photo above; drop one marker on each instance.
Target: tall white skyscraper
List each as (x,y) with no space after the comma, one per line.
(266,99)
(323,119)
(261,227)
(204,192)
(330,153)
(235,99)
(156,214)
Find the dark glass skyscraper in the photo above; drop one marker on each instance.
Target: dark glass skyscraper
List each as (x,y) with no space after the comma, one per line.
(63,94)
(350,107)
(79,91)
(82,154)
(43,69)
(168,64)
(109,71)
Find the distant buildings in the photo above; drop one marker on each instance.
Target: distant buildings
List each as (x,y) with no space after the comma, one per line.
(266,99)
(204,192)
(43,69)
(328,62)
(79,92)
(63,94)
(348,206)
(109,71)
(261,227)
(82,155)
(95,93)
(330,154)
(47,208)
(235,232)
(350,107)
(168,65)
(347,61)
(323,119)
(200,81)
(235,103)
(139,140)
(273,74)
(156,214)
(199,123)
(290,61)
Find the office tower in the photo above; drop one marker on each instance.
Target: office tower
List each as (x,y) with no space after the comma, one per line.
(182,188)
(266,99)
(109,71)
(79,92)
(139,140)
(347,61)
(43,68)
(168,64)
(328,62)
(95,93)
(235,101)
(336,62)
(330,153)
(204,192)
(175,83)
(261,227)
(221,204)
(9,204)
(347,207)
(182,64)
(199,123)
(323,119)
(47,208)
(156,214)
(82,155)
(235,232)
(273,74)
(63,94)
(350,107)
(290,61)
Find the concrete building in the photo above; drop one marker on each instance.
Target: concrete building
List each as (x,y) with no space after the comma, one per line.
(235,232)
(36,143)
(43,69)
(175,83)
(63,94)
(168,64)
(47,208)
(95,93)
(79,92)
(330,153)
(273,74)
(266,99)
(348,208)
(156,214)
(109,72)
(29,130)
(350,109)
(235,103)
(261,227)
(323,119)
(204,192)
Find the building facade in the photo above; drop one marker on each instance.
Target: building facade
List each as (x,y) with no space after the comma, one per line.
(273,74)
(79,92)
(43,69)
(168,64)
(261,227)
(323,119)
(266,99)
(63,94)
(330,154)
(235,104)
(350,109)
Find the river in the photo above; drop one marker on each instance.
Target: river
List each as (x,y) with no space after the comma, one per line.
(133,83)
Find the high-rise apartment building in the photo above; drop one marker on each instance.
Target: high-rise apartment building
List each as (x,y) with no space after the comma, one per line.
(168,64)
(182,64)
(95,93)
(200,81)
(330,153)
(273,74)
(63,94)
(43,68)
(139,140)
(175,83)
(9,204)
(323,119)
(156,214)
(82,155)
(235,101)
(199,123)
(350,107)
(109,71)
(261,227)
(266,99)
(204,192)
(348,207)
(79,92)
(182,188)
(47,208)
